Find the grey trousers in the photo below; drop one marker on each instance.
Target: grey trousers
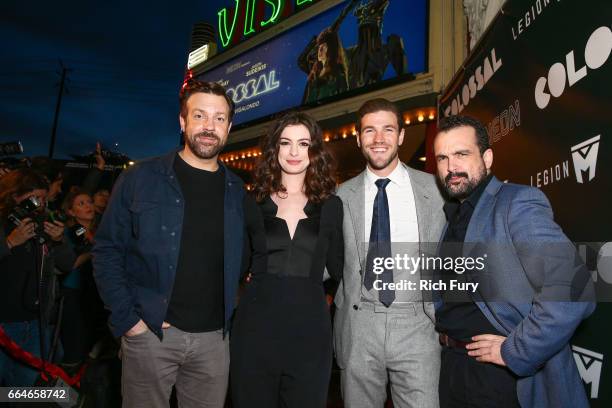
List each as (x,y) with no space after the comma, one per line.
(197,364)
(399,345)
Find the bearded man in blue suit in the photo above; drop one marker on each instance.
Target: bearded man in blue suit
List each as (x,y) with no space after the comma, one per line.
(506,343)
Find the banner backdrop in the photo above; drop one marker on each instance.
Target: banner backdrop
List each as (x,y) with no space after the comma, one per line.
(541,81)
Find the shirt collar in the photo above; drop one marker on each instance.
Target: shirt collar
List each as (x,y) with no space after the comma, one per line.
(398,176)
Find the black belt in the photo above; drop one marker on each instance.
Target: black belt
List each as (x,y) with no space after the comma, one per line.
(447,341)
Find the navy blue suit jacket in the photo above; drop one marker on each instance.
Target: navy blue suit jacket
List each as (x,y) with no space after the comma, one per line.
(138,241)
(534,289)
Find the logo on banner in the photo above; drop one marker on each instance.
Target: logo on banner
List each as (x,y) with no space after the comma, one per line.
(596,52)
(254,87)
(475,83)
(531,14)
(589,366)
(505,122)
(584,156)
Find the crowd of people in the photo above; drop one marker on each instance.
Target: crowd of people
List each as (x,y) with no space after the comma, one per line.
(180,233)
(50,304)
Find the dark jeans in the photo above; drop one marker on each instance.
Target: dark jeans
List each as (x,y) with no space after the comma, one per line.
(12,372)
(465,382)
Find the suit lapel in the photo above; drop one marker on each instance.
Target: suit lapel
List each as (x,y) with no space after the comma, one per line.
(423,208)
(481,218)
(356,204)
(475,238)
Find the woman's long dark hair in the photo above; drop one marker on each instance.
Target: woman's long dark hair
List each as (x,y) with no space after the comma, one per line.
(319,182)
(336,60)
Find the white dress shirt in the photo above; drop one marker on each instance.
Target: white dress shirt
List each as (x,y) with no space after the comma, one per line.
(403,224)
(402,208)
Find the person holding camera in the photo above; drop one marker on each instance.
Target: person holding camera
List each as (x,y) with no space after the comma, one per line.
(83,309)
(31,248)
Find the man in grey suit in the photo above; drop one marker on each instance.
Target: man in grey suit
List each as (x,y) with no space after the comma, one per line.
(381,331)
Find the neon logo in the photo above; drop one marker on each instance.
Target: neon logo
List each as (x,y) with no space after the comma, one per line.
(248,10)
(223,32)
(254,87)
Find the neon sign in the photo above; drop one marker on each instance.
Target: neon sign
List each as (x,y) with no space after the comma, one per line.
(248,17)
(254,87)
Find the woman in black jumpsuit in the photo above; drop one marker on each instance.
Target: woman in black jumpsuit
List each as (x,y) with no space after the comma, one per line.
(281,344)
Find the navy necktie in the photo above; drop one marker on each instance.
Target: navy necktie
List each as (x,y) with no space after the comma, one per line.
(380,246)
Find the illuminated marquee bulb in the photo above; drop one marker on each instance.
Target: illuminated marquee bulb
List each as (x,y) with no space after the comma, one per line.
(421,117)
(431,116)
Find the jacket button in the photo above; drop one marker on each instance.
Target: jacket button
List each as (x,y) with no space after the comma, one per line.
(355,307)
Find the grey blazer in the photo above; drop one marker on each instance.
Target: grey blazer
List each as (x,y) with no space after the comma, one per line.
(431,220)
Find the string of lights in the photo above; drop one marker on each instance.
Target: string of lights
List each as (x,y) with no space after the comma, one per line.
(245,159)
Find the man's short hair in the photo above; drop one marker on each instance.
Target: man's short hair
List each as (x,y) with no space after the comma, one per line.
(452,122)
(377,105)
(193,86)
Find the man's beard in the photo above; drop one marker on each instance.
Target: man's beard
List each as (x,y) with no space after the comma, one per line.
(382,163)
(201,150)
(463,190)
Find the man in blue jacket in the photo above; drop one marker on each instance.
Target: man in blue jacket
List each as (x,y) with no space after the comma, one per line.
(167,261)
(506,340)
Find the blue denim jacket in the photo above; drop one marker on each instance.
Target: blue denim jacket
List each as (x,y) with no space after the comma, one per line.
(138,241)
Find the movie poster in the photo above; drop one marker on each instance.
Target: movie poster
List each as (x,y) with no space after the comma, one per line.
(348,49)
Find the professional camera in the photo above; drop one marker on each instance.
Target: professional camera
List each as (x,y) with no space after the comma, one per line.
(32,208)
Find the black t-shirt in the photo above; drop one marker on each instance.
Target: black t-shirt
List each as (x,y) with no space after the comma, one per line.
(459,317)
(197,302)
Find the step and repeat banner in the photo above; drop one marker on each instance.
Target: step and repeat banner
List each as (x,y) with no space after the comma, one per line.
(541,81)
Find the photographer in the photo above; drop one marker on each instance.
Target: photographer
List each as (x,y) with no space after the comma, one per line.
(31,247)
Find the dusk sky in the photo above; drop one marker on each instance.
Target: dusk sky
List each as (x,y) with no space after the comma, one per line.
(125,63)
(126,59)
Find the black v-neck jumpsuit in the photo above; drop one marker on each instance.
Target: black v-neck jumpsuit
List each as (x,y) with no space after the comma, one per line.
(281,343)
